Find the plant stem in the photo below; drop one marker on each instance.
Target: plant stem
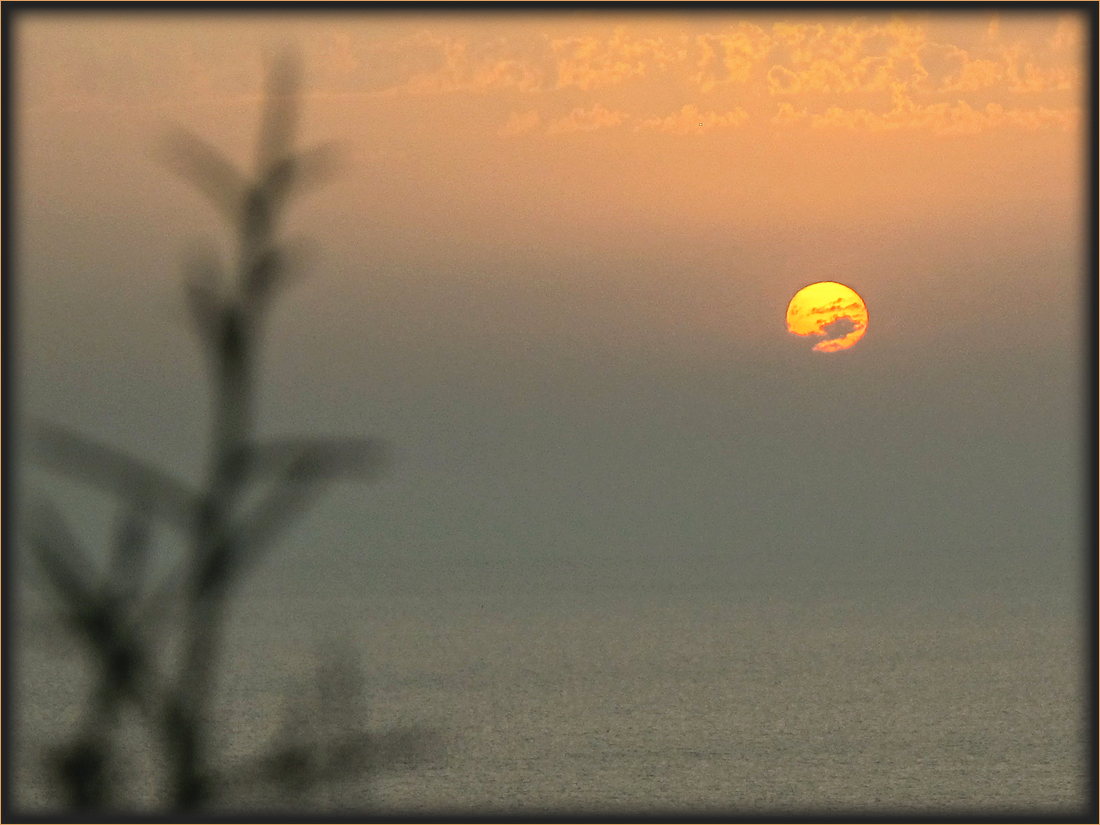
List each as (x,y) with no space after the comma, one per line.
(216,553)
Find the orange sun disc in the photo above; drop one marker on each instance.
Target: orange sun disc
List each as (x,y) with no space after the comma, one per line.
(832,314)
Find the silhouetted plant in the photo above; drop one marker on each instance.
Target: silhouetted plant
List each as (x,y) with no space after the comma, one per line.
(121,618)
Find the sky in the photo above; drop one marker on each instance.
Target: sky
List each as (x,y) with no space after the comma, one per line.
(552,274)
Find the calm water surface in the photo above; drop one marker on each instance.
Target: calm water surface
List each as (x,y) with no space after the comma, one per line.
(686,701)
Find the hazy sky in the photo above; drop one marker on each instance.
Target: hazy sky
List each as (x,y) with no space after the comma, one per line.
(553,274)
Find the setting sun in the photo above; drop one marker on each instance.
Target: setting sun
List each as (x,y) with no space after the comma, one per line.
(828,311)
(502,293)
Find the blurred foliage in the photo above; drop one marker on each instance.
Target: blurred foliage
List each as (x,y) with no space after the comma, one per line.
(124,620)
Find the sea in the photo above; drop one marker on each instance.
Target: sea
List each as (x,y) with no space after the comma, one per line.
(865,702)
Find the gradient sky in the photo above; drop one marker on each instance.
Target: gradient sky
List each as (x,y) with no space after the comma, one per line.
(552,275)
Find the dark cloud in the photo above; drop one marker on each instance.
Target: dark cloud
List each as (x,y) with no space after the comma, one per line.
(838,328)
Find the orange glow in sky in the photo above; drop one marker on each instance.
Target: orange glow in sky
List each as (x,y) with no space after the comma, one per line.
(640,181)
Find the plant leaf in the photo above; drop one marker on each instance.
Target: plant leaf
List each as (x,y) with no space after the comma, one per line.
(205,167)
(115,471)
(316,458)
(280,115)
(59,557)
(302,467)
(295,173)
(203,288)
(256,532)
(131,553)
(315,164)
(265,274)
